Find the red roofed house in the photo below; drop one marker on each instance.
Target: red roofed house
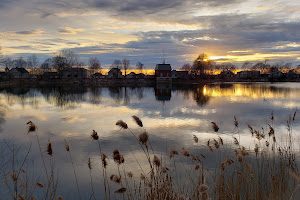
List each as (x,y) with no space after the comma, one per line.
(163,72)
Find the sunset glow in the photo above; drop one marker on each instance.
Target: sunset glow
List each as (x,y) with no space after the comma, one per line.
(227,31)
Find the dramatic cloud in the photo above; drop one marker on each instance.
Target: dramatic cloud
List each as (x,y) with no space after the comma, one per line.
(69,30)
(227,30)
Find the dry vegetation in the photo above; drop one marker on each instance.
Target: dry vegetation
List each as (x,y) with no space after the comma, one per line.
(267,171)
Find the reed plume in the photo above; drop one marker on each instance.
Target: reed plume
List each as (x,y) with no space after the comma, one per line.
(195,138)
(138,121)
(203,188)
(104,159)
(49,148)
(31,127)
(116,178)
(185,152)
(143,138)
(121,190)
(94,135)
(236,123)
(118,158)
(122,124)
(156,161)
(90,164)
(215,126)
(173,152)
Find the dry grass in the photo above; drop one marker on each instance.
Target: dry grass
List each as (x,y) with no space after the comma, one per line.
(268,170)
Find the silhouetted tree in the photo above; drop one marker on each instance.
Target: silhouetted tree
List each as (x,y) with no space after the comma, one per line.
(202,63)
(94,63)
(126,65)
(7,62)
(116,64)
(20,63)
(186,67)
(47,64)
(140,66)
(32,62)
(246,65)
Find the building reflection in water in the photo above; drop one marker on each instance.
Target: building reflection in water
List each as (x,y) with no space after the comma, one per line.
(163,91)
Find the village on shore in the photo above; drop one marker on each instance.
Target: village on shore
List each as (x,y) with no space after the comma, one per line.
(163,72)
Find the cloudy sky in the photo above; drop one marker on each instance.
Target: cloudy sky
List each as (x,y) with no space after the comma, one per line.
(227,30)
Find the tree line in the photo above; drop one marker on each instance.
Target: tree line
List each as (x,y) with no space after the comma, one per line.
(204,65)
(62,60)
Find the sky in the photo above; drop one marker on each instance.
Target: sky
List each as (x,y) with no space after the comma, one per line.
(147,31)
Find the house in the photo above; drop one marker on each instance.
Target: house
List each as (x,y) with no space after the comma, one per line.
(248,74)
(163,72)
(115,73)
(79,73)
(291,74)
(276,74)
(50,75)
(141,76)
(226,74)
(17,72)
(131,75)
(98,75)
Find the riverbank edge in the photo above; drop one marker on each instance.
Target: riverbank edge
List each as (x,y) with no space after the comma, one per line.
(127,82)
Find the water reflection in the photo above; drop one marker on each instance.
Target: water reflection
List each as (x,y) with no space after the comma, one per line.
(171,114)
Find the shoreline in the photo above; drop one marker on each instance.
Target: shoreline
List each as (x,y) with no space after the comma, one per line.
(149,82)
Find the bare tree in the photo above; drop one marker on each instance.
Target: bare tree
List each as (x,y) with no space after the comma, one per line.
(20,63)
(140,66)
(246,65)
(32,62)
(7,62)
(71,58)
(126,65)
(186,67)
(116,64)
(94,63)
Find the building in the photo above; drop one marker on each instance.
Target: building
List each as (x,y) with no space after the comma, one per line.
(78,73)
(226,74)
(276,74)
(163,72)
(98,75)
(248,74)
(50,75)
(131,75)
(114,73)
(17,72)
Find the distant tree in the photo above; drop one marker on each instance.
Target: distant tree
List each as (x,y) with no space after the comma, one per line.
(126,65)
(140,66)
(202,63)
(7,62)
(116,64)
(186,67)
(80,64)
(65,59)
(32,63)
(60,63)
(71,58)
(227,66)
(20,63)
(246,65)
(47,64)
(94,63)
(288,65)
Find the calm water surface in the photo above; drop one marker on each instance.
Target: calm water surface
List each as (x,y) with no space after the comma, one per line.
(171,115)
